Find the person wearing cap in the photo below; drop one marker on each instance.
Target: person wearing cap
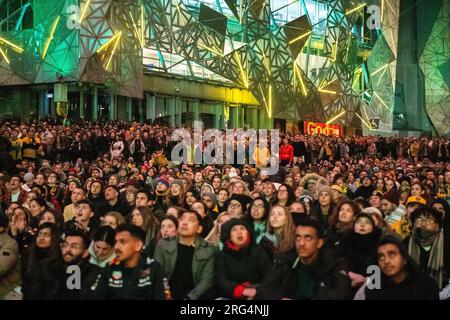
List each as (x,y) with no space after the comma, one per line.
(187,260)
(401,278)
(242,264)
(29,181)
(311,272)
(131,275)
(338,193)
(9,260)
(426,244)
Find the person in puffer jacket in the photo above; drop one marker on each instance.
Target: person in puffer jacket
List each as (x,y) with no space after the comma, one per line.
(242,264)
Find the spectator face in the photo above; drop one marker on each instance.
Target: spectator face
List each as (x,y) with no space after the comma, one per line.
(208,202)
(110,221)
(126,246)
(172,212)
(389,184)
(73,250)
(168,229)
(390,260)
(96,188)
(189,226)
(52,179)
(175,189)
(416,190)
(239,236)
(222,196)
(447,177)
(47,217)
(277,218)
(283,193)
(84,212)
(40,179)
(35,208)
(427,223)
(137,219)
(299,191)
(102,250)
(198,178)
(387,207)
(324,199)
(216,183)
(199,208)
(141,199)
(14,183)
(77,195)
(44,238)
(375,201)
(297,207)
(190,199)
(307,243)
(257,210)
(363,226)
(367,182)
(346,213)
(130,196)
(113,181)
(238,188)
(235,208)
(268,189)
(111,194)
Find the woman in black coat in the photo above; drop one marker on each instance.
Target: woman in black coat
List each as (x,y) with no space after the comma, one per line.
(359,245)
(242,264)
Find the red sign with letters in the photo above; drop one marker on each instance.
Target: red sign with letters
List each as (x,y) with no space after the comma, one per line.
(322,128)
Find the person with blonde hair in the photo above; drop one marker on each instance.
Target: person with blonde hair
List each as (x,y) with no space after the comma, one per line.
(113,219)
(279,237)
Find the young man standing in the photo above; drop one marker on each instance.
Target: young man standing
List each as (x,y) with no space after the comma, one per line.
(130,276)
(187,259)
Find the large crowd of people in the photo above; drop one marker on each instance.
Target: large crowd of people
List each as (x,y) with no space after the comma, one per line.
(107,199)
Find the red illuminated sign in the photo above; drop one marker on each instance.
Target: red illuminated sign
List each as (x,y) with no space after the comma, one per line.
(322,128)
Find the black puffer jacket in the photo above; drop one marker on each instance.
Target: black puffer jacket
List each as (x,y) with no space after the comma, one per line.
(329,281)
(235,269)
(359,250)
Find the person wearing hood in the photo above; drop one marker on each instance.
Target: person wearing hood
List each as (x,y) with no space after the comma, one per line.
(237,204)
(366,189)
(95,195)
(400,275)
(242,264)
(209,199)
(426,244)
(359,247)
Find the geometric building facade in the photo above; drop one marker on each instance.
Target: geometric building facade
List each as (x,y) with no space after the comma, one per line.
(313,60)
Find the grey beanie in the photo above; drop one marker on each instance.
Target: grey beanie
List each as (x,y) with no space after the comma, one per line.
(212,196)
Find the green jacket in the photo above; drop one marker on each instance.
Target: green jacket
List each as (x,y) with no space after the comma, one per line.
(202,263)
(9,265)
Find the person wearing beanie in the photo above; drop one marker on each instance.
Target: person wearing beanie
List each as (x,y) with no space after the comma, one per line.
(366,189)
(209,199)
(400,276)
(390,206)
(324,206)
(426,244)
(29,181)
(337,193)
(237,204)
(359,247)
(375,199)
(242,264)
(9,261)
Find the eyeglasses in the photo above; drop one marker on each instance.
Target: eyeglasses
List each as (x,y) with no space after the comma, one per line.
(234,205)
(424,222)
(258,206)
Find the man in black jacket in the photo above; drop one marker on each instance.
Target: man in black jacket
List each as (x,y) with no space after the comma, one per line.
(69,276)
(112,202)
(313,272)
(130,276)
